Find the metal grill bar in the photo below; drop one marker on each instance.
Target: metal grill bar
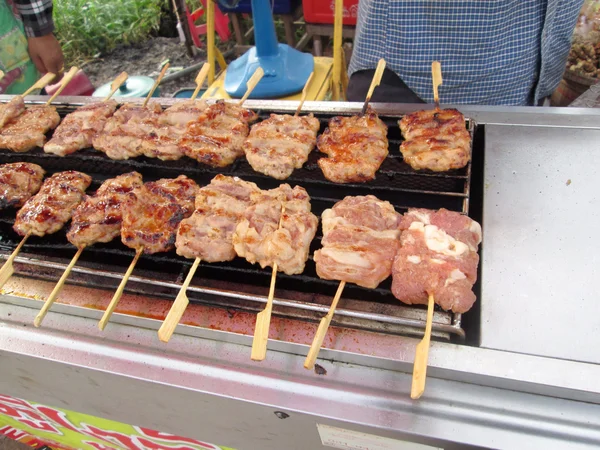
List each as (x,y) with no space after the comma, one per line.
(396,182)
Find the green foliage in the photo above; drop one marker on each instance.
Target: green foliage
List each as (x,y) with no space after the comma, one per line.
(88,27)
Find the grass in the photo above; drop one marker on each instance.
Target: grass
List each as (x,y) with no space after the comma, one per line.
(88,27)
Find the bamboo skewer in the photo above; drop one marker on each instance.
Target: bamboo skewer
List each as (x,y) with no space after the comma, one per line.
(422,355)
(374,83)
(251,84)
(63,84)
(119,291)
(156,83)
(40,84)
(422,350)
(7,269)
(317,342)
(54,294)
(436,75)
(116,84)
(263,319)
(304,93)
(200,79)
(178,308)
(1,74)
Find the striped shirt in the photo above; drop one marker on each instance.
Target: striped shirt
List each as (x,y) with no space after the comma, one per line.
(36,16)
(495,52)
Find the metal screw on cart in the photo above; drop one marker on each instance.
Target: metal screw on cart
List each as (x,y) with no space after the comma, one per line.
(281,415)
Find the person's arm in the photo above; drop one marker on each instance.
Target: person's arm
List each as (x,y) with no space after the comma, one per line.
(44,49)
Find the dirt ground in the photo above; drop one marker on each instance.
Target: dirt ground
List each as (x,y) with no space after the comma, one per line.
(145,59)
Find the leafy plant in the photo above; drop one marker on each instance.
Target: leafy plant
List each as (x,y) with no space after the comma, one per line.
(88,27)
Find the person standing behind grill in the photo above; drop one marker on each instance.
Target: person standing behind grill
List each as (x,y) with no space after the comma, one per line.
(501,52)
(27,45)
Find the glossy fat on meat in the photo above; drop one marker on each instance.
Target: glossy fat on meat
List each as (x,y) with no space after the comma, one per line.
(267,236)
(162,142)
(98,218)
(217,137)
(208,233)
(124,133)
(11,110)
(356,147)
(18,183)
(278,145)
(153,211)
(79,128)
(360,239)
(436,140)
(28,130)
(438,255)
(52,207)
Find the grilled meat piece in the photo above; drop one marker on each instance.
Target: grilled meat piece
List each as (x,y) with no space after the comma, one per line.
(438,255)
(208,233)
(437,140)
(152,212)
(167,128)
(260,237)
(216,138)
(124,133)
(52,207)
(360,240)
(356,147)
(11,110)
(29,129)
(278,145)
(79,128)
(18,183)
(99,217)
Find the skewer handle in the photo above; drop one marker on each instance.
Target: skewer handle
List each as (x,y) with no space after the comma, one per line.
(263,323)
(156,83)
(317,342)
(374,83)
(251,84)
(1,74)
(7,269)
(63,84)
(119,292)
(176,312)
(54,294)
(116,84)
(40,84)
(421,356)
(304,93)
(200,80)
(436,75)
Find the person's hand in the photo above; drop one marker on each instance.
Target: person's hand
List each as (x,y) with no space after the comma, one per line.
(46,54)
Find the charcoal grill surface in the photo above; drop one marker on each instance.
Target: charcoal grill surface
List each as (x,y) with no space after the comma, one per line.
(396,182)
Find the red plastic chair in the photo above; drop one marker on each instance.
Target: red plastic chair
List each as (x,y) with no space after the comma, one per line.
(221,24)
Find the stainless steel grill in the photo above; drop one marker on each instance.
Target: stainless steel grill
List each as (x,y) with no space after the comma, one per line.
(304,296)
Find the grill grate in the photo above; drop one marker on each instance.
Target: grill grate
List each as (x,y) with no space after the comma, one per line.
(396,182)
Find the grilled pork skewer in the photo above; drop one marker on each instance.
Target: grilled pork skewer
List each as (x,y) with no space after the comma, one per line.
(78,128)
(29,129)
(18,183)
(276,231)
(136,130)
(47,211)
(360,240)
(356,146)
(207,234)
(151,215)
(217,137)
(97,219)
(278,145)
(16,106)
